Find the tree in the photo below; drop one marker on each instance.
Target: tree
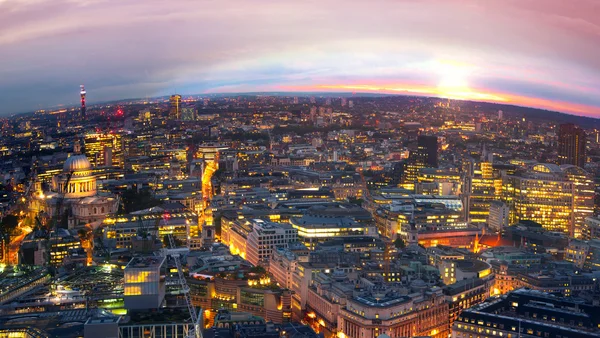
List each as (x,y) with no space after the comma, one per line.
(259,270)
(9,224)
(134,200)
(178,243)
(354,200)
(399,243)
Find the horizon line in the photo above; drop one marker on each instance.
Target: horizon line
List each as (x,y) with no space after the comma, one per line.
(283,91)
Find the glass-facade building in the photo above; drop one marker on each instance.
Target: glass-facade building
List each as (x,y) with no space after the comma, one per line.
(144,284)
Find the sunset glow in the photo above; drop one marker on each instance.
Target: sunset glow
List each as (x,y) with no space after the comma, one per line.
(541,53)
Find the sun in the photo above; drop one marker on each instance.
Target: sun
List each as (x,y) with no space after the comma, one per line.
(453,78)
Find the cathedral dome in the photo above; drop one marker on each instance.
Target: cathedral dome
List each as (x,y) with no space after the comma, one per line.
(77,172)
(76,163)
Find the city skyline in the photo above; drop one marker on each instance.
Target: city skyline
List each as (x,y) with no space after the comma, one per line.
(533,53)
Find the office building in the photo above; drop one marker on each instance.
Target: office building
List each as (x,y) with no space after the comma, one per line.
(175,107)
(584,254)
(104,149)
(243,325)
(255,239)
(591,228)
(434,181)
(583,197)
(368,317)
(571,145)
(455,270)
(427,150)
(393,220)
(557,197)
(528,313)
(144,283)
(188,114)
(240,290)
(463,294)
(265,237)
(283,264)
(426,156)
(499,215)
(124,229)
(482,186)
(39,249)
(314,228)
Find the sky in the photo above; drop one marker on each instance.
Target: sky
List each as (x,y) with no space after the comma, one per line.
(537,53)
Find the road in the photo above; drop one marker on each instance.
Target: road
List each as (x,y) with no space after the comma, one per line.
(15,244)
(13,249)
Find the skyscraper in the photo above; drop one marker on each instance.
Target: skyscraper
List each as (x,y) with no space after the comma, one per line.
(427,150)
(571,145)
(481,186)
(424,157)
(175,110)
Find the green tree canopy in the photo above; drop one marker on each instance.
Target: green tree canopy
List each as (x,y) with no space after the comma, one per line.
(9,224)
(133,200)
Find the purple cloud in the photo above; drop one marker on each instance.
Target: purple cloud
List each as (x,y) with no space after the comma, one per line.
(538,49)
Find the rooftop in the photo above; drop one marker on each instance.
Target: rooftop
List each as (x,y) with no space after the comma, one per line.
(145,263)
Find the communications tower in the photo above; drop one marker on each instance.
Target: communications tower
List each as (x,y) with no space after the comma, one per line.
(82,92)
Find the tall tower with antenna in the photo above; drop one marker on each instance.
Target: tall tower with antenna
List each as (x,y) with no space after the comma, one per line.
(82,93)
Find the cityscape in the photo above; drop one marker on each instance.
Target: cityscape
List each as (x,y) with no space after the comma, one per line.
(294,170)
(315,215)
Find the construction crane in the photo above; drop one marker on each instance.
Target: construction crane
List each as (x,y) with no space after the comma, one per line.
(366,193)
(100,241)
(144,234)
(387,259)
(196,330)
(57,214)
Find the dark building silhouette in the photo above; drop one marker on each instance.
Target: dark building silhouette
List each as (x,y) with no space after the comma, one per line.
(427,151)
(571,145)
(426,156)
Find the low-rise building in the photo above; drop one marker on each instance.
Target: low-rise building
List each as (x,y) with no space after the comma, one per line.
(584,254)
(255,240)
(467,293)
(499,215)
(317,228)
(453,271)
(528,313)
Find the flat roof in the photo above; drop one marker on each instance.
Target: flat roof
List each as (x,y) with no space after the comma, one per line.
(145,262)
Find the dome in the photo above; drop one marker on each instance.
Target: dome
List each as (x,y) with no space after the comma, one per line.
(76,163)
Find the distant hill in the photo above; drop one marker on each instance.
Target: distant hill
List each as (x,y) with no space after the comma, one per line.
(509,110)
(537,114)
